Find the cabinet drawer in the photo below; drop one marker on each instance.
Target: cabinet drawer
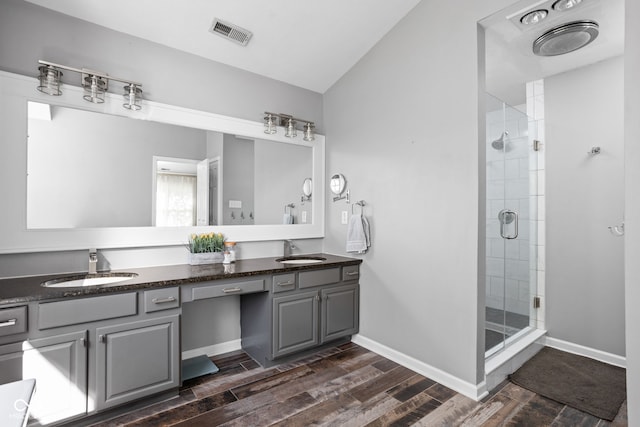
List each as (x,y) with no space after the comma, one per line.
(308,279)
(350,272)
(161,299)
(13,320)
(283,282)
(72,312)
(233,288)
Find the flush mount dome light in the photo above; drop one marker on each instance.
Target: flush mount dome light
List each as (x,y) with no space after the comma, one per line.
(534,17)
(566,38)
(562,5)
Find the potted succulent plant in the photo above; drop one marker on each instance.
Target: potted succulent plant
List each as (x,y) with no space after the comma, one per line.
(206,248)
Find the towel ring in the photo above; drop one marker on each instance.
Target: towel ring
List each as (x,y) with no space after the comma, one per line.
(360,203)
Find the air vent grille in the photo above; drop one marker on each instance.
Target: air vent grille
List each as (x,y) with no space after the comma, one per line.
(230,31)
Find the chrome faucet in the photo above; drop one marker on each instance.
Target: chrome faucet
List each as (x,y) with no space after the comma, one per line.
(93,261)
(288,247)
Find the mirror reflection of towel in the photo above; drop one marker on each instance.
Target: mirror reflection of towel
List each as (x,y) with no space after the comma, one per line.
(287,219)
(358,234)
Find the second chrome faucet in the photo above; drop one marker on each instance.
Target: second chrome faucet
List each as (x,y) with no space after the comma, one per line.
(288,248)
(93,261)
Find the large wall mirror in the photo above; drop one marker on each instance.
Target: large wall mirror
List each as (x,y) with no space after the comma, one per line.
(84,175)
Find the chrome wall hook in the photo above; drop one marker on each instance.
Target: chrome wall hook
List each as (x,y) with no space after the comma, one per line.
(594,151)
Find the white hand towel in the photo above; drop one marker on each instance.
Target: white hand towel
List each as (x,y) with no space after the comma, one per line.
(367,231)
(358,234)
(287,219)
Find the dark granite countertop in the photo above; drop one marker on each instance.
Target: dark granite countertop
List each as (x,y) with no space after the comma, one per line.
(26,289)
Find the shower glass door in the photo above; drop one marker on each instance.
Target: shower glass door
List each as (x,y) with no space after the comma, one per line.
(511,260)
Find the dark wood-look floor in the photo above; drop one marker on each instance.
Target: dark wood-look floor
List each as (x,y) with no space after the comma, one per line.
(345,386)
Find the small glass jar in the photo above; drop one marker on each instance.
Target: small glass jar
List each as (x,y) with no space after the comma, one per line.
(230,248)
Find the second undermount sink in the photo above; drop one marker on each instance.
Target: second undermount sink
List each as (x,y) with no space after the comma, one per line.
(84,280)
(300,259)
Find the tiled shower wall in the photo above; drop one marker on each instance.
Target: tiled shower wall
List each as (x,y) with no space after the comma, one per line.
(513,182)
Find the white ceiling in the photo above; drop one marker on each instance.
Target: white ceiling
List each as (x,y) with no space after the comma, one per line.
(510,61)
(306,43)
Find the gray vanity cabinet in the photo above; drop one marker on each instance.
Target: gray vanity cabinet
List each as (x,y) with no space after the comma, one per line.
(136,359)
(295,323)
(340,308)
(89,354)
(303,310)
(59,365)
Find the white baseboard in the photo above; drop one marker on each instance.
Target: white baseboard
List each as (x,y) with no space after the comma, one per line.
(580,350)
(212,350)
(472,391)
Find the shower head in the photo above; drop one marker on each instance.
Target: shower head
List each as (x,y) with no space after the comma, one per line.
(498,144)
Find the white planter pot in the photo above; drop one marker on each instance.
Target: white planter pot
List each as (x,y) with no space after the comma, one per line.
(206,258)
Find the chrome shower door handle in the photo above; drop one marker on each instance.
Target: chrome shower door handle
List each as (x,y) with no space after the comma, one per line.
(507,216)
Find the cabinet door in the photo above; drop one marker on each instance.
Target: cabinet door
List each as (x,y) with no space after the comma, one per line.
(295,323)
(59,366)
(340,312)
(136,359)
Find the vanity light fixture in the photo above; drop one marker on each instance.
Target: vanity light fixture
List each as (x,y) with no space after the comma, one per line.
(534,17)
(94,88)
(289,123)
(132,97)
(291,131)
(49,80)
(95,84)
(269,124)
(308,132)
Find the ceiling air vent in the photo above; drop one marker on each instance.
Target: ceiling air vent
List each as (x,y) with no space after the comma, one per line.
(230,31)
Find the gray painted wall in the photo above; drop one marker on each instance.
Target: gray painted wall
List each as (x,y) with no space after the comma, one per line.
(415,163)
(584,195)
(632,207)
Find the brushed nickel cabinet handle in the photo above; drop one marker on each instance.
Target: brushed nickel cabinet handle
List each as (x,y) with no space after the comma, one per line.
(351,273)
(285,283)
(163,300)
(231,290)
(10,322)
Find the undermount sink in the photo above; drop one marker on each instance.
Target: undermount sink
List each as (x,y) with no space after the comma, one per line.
(84,280)
(300,259)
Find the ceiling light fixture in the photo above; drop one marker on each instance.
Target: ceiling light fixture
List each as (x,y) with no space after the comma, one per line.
(534,17)
(289,123)
(95,84)
(562,5)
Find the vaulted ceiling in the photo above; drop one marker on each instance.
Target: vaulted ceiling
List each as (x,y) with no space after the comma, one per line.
(306,43)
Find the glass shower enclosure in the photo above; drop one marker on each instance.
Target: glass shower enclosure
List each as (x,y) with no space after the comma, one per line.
(511,207)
